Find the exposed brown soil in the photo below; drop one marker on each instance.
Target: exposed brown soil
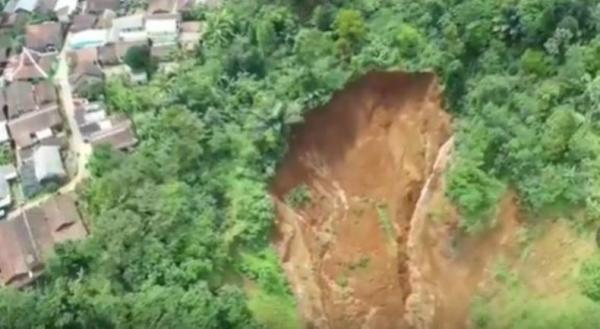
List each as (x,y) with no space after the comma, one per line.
(448,268)
(365,158)
(378,246)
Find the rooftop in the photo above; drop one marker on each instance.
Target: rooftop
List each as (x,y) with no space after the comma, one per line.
(44,36)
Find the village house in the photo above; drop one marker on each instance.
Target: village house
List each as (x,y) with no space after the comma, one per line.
(44,37)
(97,128)
(161,6)
(44,93)
(119,134)
(29,65)
(89,38)
(48,165)
(162,29)
(185,5)
(19,99)
(8,173)
(128,29)
(30,128)
(83,22)
(164,52)
(16,6)
(85,72)
(114,53)
(28,237)
(98,7)
(64,8)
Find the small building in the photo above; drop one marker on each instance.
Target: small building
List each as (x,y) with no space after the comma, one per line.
(28,238)
(161,6)
(44,37)
(162,28)
(83,22)
(114,53)
(19,98)
(85,78)
(163,53)
(105,20)
(128,28)
(48,164)
(45,7)
(99,6)
(85,71)
(16,6)
(120,135)
(44,93)
(90,38)
(29,65)
(64,8)
(97,128)
(7,173)
(35,126)
(184,6)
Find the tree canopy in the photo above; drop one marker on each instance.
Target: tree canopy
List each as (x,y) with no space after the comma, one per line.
(173,223)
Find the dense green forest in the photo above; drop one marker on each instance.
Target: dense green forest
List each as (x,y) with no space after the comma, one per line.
(180,227)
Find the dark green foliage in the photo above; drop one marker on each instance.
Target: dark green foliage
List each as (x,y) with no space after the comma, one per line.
(535,62)
(6,154)
(475,193)
(139,59)
(589,278)
(171,220)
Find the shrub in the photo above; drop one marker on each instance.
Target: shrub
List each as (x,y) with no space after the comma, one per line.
(299,196)
(589,278)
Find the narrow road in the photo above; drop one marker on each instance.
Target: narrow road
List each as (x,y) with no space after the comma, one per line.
(81,150)
(78,147)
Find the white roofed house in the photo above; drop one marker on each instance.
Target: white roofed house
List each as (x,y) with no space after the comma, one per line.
(48,164)
(128,29)
(97,128)
(89,38)
(15,6)
(64,9)
(7,173)
(162,29)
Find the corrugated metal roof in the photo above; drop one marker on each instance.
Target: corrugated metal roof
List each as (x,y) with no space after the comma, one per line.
(48,163)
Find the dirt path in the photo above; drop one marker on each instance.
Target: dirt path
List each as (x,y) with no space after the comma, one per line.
(82,150)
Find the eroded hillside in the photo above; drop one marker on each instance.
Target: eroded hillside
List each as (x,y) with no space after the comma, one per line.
(364,159)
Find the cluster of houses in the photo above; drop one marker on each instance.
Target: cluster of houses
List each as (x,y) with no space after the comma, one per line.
(100,39)
(93,38)
(28,237)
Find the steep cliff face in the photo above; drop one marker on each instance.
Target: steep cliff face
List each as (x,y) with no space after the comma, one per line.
(365,159)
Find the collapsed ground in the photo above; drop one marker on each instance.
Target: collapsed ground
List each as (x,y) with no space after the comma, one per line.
(369,239)
(180,226)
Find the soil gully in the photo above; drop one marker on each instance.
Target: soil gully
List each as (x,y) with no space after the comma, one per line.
(366,158)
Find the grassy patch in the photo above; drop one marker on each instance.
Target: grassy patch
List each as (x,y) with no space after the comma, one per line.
(383,213)
(273,311)
(361,264)
(511,304)
(342,280)
(269,297)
